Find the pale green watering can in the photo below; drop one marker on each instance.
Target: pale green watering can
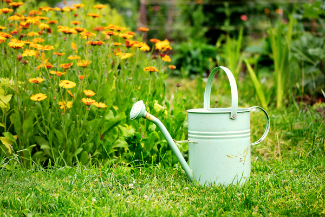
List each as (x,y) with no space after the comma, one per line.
(219,138)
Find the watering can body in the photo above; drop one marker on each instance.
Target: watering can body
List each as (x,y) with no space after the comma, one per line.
(219,148)
(218,138)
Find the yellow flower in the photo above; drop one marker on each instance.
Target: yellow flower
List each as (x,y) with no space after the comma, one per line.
(126,55)
(2,39)
(99,6)
(79,29)
(30,53)
(43,26)
(15,17)
(143,29)
(48,47)
(88,101)
(33,34)
(166,58)
(67,84)
(163,45)
(87,34)
(116,43)
(45,64)
(38,97)
(38,40)
(66,9)
(2,27)
(89,93)
(32,20)
(100,105)
(36,80)
(37,46)
(16,4)
(65,104)
(158,107)
(145,47)
(78,5)
(73,57)
(84,63)
(150,69)
(46,9)
(57,73)
(16,44)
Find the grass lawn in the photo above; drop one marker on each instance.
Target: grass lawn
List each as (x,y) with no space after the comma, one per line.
(291,187)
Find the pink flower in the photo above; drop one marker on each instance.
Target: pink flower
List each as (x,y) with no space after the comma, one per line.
(243,17)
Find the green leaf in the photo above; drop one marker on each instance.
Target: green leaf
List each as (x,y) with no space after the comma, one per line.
(112,122)
(41,141)
(257,85)
(84,158)
(120,144)
(1,125)
(7,142)
(77,151)
(5,99)
(59,135)
(180,117)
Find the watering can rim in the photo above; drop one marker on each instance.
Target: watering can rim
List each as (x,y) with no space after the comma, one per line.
(217,110)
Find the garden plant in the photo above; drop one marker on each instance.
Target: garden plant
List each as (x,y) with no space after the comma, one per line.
(69,77)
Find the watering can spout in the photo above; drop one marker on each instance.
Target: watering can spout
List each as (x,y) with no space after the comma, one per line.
(139,111)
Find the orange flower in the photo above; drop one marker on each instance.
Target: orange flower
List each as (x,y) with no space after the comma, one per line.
(93,15)
(111,27)
(45,64)
(118,28)
(36,46)
(84,63)
(116,43)
(172,67)
(6,10)
(24,25)
(125,36)
(95,43)
(66,65)
(99,6)
(87,34)
(110,33)
(154,40)
(266,10)
(15,17)
(69,92)
(58,54)
(130,33)
(52,22)
(79,29)
(68,30)
(150,69)
(98,28)
(16,4)
(143,29)
(5,35)
(36,80)
(81,77)
(88,101)
(75,22)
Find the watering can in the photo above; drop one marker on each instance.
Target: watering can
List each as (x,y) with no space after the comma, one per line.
(218,138)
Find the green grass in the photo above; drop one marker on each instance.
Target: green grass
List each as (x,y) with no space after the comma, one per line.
(294,187)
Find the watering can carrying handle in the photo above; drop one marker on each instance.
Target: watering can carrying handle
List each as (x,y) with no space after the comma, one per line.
(233,86)
(267,128)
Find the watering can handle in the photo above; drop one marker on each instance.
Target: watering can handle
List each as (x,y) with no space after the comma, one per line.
(233,86)
(267,128)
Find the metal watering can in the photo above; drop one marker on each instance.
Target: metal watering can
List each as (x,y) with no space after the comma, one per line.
(219,138)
